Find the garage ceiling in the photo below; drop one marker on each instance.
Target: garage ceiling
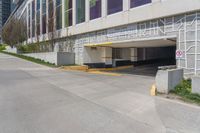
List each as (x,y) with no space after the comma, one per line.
(150,42)
(140,43)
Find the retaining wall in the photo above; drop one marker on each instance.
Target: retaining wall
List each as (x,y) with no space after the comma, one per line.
(57,58)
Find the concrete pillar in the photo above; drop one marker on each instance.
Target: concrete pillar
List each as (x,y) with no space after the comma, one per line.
(35,19)
(47,16)
(134,55)
(195,84)
(31,21)
(154,1)
(126,5)
(74,12)
(104,8)
(87,10)
(27,26)
(63,13)
(41,10)
(107,56)
(144,53)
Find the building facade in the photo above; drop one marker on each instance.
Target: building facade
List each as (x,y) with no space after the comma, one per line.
(108,33)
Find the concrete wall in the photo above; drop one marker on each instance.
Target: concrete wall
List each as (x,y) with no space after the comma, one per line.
(65,58)
(167,80)
(93,55)
(58,58)
(196,84)
(126,53)
(98,55)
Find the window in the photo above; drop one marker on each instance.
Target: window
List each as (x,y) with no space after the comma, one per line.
(136,3)
(95,9)
(68,13)
(33,9)
(58,14)
(38,17)
(44,16)
(51,16)
(115,6)
(29,21)
(80,11)
(33,18)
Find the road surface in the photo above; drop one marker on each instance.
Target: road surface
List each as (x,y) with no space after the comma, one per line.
(38,99)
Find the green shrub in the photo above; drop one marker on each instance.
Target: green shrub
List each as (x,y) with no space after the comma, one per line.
(38,61)
(30,48)
(2,47)
(184,90)
(184,87)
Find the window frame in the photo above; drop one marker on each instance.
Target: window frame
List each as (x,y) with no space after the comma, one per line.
(90,11)
(68,11)
(116,11)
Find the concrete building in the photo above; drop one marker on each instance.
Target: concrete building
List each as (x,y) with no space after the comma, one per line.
(108,33)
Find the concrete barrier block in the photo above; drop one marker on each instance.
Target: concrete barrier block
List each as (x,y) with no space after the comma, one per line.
(196,84)
(58,58)
(65,58)
(167,80)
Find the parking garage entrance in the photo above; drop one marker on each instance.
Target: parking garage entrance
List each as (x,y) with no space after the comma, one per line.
(146,55)
(145,61)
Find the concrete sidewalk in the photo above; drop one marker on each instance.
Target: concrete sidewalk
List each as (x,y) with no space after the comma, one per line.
(38,99)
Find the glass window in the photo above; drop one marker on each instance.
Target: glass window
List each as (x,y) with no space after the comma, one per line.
(38,4)
(33,9)
(68,13)
(80,11)
(44,16)
(95,9)
(136,3)
(115,6)
(58,14)
(38,17)
(33,18)
(44,2)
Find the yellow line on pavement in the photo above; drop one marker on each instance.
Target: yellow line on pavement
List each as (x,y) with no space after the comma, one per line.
(105,73)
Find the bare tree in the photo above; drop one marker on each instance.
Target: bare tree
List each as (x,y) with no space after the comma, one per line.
(14,32)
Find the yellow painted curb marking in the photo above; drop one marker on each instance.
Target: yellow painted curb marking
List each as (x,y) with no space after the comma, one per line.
(153,90)
(105,73)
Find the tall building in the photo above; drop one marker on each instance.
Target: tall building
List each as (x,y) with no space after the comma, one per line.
(109,33)
(5,10)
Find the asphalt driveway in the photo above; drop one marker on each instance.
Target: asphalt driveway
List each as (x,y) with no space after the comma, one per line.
(38,99)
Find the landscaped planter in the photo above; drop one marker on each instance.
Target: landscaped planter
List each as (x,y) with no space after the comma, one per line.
(11,50)
(168,79)
(196,84)
(57,58)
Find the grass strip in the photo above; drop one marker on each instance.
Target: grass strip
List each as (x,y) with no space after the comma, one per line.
(184,90)
(38,61)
